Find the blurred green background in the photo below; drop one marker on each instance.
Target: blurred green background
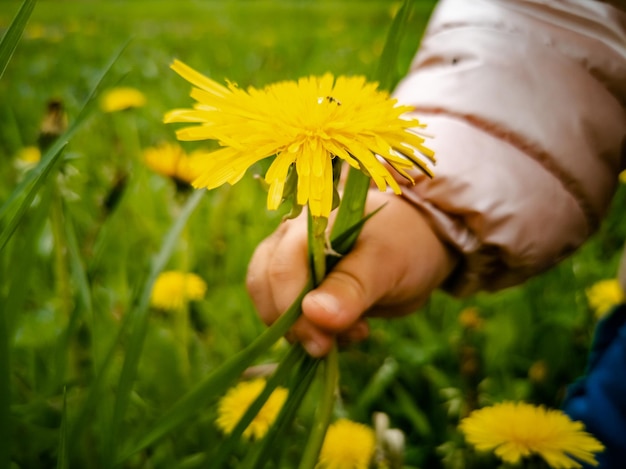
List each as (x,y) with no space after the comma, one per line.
(79,260)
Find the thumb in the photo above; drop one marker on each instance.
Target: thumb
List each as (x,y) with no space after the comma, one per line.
(355,285)
(397,261)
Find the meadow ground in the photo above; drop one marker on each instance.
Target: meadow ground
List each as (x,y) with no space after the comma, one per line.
(79,391)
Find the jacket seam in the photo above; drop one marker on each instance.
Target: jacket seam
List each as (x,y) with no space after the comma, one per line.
(533,151)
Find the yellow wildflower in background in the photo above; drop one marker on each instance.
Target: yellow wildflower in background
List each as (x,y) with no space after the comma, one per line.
(518,430)
(173,290)
(237,400)
(622,177)
(169,159)
(305,124)
(347,445)
(35,31)
(119,99)
(470,318)
(538,371)
(603,295)
(28,156)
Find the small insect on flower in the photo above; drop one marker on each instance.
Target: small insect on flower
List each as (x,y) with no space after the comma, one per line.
(306,125)
(53,124)
(333,100)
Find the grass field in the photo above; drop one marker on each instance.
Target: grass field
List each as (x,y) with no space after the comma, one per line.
(89,368)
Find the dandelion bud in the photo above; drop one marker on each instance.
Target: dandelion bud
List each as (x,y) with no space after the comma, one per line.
(53,124)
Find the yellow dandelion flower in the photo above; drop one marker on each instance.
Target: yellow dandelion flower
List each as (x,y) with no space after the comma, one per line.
(170,160)
(305,124)
(237,400)
(28,156)
(622,177)
(517,430)
(35,31)
(347,445)
(603,295)
(173,290)
(122,98)
(470,318)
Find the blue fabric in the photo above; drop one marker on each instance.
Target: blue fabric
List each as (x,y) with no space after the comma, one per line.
(599,398)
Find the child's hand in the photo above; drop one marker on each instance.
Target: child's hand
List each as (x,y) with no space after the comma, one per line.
(394,266)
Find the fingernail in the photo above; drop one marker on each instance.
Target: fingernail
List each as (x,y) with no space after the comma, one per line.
(313,348)
(325,301)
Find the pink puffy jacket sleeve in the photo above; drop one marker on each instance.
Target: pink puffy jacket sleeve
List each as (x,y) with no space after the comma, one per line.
(526,101)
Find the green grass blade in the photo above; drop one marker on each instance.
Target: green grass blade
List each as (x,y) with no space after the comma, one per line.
(300,385)
(20,262)
(21,257)
(387,73)
(79,274)
(352,205)
(324,411)
(5,393)
(216,382)
(378,384)
(62,462)
(94,395)
(82,309)
(17,204)
(411,411)
(139,326)
(14,33)
(12,215)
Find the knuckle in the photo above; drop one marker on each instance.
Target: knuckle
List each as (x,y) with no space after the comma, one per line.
(280,270)
(352,285)
(252,283)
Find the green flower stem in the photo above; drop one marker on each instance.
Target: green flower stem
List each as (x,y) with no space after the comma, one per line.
(317,247)
(324,411)
(63,289)
(69,352)
(126,130)
(181,334)
(181,318)
(345,230)
(5,393)
(352,205)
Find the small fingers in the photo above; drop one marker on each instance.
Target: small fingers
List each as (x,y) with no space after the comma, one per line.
(318,342)
(356,333)
(278,270)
